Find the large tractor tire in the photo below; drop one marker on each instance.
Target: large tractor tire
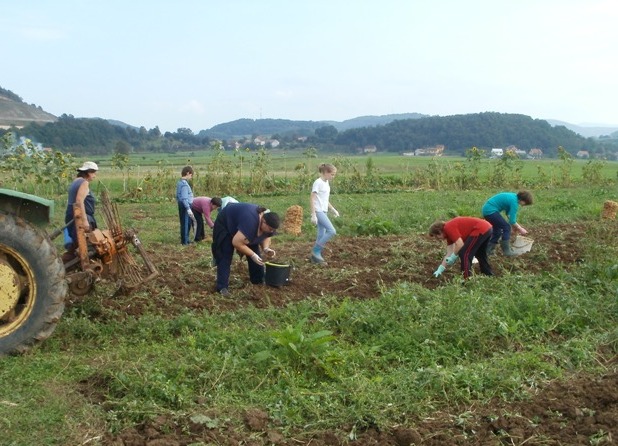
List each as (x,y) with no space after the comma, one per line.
(32,285)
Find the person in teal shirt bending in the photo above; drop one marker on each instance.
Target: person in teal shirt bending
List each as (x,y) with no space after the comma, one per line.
(509,203)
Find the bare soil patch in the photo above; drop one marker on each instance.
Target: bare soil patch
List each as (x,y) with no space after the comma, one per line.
(357,267)
(581,411)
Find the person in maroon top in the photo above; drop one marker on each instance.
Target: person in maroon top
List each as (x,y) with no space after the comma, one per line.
(466,238)
(202,208)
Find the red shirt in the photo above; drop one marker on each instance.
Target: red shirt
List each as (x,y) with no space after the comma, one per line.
(464,227)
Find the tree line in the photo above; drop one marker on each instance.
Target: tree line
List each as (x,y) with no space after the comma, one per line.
(460,132)
(456,133)
(100,137)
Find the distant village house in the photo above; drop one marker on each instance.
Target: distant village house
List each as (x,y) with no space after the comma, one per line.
(259,141)
(535,154)
(515,151)
(370,149)
(583,154)
(430,151)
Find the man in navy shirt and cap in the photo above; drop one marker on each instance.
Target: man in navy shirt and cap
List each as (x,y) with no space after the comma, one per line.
(246,228)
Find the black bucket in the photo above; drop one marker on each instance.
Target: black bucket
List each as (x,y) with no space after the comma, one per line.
(277,274)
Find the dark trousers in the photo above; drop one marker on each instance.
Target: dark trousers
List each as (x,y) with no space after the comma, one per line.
(185,224)
(501,227)
(199,229)
(475,247)
(223,253)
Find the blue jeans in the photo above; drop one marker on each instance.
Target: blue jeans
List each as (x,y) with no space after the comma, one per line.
(501,227)
(326,230)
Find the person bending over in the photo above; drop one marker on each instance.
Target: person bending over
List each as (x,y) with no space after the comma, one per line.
(246,228)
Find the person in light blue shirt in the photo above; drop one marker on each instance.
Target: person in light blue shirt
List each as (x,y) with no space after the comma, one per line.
(509,203)
(184,197)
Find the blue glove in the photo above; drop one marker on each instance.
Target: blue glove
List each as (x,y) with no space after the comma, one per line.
(450,260)
(439,271)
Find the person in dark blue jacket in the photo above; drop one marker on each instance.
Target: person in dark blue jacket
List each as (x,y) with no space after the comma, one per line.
(246,228)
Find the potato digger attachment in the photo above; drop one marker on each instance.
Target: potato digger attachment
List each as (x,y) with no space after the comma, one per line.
(106,254)
(35,280)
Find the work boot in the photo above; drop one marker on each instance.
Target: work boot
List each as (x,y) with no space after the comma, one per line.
(317,260)
(491,248)
(316,255)
(506,248)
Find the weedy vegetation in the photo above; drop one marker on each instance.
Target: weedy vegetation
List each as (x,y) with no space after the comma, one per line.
(327,362)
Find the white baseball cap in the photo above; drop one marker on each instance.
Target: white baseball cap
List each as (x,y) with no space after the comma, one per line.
(88,165)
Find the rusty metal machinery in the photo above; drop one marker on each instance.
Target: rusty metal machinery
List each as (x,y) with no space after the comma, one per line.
(105,254)
(35,280)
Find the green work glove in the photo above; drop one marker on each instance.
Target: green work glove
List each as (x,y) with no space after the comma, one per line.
(450,260)
(439,271)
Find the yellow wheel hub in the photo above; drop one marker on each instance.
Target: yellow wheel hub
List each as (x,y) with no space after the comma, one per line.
(9,288)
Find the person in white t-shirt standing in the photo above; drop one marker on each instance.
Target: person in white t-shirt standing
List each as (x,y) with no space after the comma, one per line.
(320,205)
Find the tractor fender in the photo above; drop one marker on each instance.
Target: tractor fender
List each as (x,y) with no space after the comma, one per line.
(31,208)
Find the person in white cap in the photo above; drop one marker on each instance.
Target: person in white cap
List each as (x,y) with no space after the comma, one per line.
(80,194)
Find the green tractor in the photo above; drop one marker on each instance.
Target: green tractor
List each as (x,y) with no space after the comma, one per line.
(34,279)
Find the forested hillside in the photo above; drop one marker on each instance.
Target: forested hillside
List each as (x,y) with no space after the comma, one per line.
(389,133)
(285,127)
(247,127)
(455,133)
(460,132)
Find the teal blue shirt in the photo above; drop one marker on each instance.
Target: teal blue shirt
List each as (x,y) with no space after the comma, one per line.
(503,202)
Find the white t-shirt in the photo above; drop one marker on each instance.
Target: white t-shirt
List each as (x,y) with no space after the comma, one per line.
(322,190)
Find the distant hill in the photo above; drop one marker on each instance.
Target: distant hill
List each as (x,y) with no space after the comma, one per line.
(14,111)
(372,121)
(585,131)
(394,132)
(458,133)
(124,125)
(248,127)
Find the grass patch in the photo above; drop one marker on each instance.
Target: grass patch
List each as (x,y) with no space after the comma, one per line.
(326,362)
(373,362)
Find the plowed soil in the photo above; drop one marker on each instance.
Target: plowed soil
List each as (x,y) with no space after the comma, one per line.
(581,411)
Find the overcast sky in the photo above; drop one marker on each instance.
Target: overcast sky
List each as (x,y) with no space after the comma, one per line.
(198,63)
